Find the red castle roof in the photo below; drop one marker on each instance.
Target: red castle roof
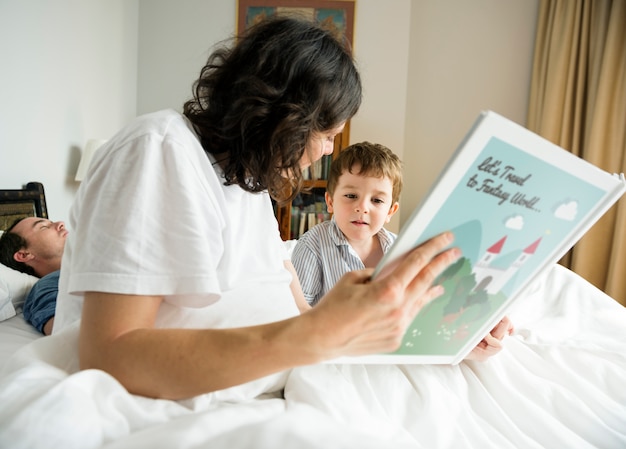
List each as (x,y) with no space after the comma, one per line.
(497,247)
(532,248)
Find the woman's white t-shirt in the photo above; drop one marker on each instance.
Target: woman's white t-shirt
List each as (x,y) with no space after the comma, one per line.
(153,217)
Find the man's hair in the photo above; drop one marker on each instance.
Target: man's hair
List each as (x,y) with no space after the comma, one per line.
(257,103)
(371,159)
(10,243)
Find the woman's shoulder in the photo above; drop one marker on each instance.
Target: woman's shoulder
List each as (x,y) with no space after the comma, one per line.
(159,125)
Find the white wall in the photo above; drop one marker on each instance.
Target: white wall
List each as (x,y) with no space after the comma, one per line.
(175,39)
(69,71)
(465,57)
(381,49)
(74,70)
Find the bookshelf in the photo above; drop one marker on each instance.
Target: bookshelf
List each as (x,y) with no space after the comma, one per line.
(317,188)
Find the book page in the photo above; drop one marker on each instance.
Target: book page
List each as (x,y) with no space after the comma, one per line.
(509,213)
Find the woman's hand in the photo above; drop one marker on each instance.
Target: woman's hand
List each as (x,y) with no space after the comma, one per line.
(492,343)
(362,316)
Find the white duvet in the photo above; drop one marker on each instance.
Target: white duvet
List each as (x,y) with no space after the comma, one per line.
(560,382)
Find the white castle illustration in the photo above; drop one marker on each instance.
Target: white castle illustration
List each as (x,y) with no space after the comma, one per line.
(492,279)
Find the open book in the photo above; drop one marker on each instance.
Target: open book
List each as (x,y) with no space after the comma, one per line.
(516,204)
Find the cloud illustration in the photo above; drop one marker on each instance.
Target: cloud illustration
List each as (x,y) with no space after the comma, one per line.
(515,222)
(567,211)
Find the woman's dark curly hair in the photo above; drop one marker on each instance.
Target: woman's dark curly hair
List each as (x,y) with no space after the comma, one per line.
(257,103)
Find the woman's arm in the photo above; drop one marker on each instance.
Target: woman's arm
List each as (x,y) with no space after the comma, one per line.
(117,335)
(357,317)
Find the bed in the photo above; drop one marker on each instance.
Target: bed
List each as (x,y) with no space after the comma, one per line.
(559,383)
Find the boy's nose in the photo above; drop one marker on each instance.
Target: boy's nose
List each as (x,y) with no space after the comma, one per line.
(361,207)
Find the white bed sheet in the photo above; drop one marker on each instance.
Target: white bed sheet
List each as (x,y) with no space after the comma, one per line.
(15,332)
(558,383)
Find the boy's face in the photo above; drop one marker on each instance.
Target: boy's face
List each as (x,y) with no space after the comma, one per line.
(361,205)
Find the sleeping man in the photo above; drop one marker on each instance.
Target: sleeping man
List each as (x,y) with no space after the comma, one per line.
(35,246)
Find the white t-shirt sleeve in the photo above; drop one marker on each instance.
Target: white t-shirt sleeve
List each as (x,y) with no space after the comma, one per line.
(145,205)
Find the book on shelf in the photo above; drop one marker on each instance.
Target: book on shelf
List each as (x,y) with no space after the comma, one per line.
(319,169)
(326,161)
(516,204)
(312,220)
(303,223)
(307,210)
(295,223)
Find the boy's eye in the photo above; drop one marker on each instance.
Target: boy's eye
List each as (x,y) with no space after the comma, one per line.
(378,201)
(350,195)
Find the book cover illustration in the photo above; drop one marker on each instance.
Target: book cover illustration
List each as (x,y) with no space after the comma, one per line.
(510,212)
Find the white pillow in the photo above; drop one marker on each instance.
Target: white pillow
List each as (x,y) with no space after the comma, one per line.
(14,287)
(6,306)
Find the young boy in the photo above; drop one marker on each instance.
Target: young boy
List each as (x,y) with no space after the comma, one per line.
(362,193)
(363,189)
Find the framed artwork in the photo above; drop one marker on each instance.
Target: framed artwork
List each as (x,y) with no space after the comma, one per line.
(337,15)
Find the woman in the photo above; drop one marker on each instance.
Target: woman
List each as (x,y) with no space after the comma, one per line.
(176,271)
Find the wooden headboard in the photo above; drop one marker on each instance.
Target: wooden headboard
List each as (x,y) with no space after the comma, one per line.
(21,203)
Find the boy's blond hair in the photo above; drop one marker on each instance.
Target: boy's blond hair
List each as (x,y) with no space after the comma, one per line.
(373,160)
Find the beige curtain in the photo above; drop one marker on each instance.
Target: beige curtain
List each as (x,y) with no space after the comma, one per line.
(578,101)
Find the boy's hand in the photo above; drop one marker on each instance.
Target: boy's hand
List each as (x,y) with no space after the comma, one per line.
(492,343)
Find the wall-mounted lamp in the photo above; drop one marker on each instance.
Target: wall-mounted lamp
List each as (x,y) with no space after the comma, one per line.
(87,156)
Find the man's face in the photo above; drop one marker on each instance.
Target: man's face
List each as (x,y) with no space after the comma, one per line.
(46,239)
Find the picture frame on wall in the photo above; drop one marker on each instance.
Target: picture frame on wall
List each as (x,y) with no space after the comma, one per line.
(337,15)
